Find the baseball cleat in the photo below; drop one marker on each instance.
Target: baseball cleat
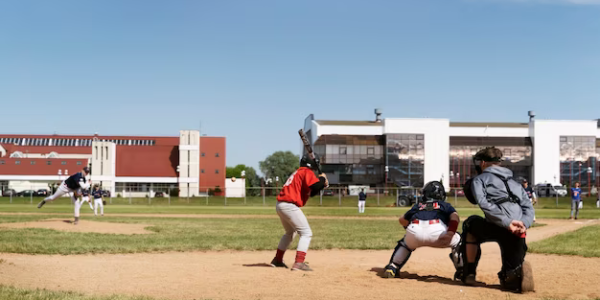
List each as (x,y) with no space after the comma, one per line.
(276,264)
(301,267)
(470,280)
(76,221)
(391,271)
(527,284)
(41,203)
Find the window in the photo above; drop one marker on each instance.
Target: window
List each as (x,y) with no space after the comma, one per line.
(79,163)
(202,171)
(343,150)
(216,154)
(63,163)
(17,162)
(32,162)
(49,162)
(217,171)
(370,150)
(2,162)
(202,154)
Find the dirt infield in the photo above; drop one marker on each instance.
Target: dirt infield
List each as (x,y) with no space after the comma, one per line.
(83,226)
(339,274)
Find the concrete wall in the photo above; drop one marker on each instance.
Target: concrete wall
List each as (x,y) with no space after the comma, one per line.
(546,148)
(104,165)
(189,155)
(489,131)
(437,143)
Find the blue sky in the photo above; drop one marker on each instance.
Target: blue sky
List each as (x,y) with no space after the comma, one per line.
(253,70)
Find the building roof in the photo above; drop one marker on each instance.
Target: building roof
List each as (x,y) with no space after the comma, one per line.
(488,124)
(347,123)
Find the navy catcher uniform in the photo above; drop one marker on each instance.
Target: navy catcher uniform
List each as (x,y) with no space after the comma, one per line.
(429,223)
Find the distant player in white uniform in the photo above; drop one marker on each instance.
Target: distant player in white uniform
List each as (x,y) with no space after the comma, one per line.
(71,186)
(97,194)
(429,223)
(362,199)
(85,197)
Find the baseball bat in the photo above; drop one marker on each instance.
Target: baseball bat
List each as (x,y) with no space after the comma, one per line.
(309,149)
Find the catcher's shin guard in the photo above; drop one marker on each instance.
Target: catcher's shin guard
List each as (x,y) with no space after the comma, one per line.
(401,254)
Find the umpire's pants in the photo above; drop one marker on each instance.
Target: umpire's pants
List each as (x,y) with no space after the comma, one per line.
(512,247)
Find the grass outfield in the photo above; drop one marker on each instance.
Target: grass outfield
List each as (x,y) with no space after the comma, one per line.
(548,213)
(583,242)
(331,201)
(13,293)
(179,234)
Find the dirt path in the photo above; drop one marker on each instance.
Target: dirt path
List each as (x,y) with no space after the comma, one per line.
(339,274)
(83,226)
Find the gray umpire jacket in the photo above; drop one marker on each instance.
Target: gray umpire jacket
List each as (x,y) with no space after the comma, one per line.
(488,189)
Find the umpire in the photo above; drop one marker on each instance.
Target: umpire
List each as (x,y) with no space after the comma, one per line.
(508,215)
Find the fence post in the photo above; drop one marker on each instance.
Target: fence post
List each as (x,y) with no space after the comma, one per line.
(129,197)
(169,195)
(207,197)
(11,194)
(455,198)
(31,196)
(245,195)
(263,194)
(377,197)
(340,196)
(321,198)
(188,195)
(556,200)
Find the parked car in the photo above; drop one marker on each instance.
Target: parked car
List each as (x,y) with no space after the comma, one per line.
(105,193)
(159,195)
(327,192)
(41,193)
(26,193)
(550,190)
(9,192)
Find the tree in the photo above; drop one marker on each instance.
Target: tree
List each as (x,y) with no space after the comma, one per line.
(280,164)
(252,180)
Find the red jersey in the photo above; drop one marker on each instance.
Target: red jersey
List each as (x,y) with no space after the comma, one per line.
(296,189)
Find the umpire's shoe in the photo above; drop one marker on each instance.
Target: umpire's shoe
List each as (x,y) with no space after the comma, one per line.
(391,271)
(519,280)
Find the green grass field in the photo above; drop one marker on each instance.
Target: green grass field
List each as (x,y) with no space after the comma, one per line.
(13,293)
(583,242)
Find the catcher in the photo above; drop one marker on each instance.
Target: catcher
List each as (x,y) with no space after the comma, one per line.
(429,223)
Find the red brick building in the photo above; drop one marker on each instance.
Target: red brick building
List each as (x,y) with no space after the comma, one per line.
(137,165)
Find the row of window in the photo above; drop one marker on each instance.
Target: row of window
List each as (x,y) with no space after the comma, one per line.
(216,171)
(33,162)
(71,142)
(204,154)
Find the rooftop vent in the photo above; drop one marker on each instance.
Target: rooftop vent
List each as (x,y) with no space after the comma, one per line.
(378,115)
(531,115)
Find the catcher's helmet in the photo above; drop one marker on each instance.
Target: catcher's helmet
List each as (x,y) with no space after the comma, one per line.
(308,162)
(434,191)
(86,170)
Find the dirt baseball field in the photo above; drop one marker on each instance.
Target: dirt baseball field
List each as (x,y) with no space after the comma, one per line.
(339,274)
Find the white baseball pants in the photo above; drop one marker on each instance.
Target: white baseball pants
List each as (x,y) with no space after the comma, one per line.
(60,191)
(87,199)
(361,207)
(98,202)
(293,221)
(423,235)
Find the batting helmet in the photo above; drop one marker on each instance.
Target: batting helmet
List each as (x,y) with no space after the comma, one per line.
(307,161)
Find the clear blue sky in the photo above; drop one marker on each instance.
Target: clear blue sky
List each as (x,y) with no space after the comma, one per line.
(253,70)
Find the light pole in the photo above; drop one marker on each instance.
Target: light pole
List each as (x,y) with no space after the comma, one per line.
(452,180)
(580,173)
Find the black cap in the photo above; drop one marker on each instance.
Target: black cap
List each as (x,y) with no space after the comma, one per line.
(86,170)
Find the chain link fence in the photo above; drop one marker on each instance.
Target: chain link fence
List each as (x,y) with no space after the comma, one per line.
(169,194)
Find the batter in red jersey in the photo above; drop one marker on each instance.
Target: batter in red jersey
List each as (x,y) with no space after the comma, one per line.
(301,185)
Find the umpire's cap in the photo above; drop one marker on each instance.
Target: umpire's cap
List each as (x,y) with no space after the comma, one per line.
(86,170)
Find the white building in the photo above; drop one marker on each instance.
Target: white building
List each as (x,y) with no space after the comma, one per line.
(410,152)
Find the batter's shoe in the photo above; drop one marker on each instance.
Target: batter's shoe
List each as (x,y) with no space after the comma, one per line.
(301,267)
(76,221)
(391,271)
(527,284)
(276,264)
(41,203)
